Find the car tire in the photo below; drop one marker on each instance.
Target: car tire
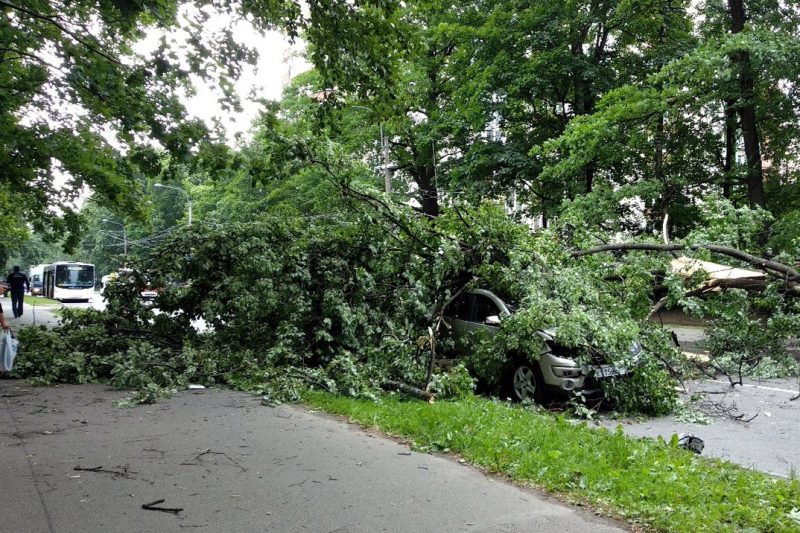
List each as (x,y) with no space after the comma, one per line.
(524,381)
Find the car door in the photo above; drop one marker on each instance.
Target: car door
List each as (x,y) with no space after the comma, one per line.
(457,314)
(467,314)
(483,307)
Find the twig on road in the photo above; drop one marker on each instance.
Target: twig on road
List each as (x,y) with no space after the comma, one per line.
(124,472)
(152,507)
(724,409)
(197,457)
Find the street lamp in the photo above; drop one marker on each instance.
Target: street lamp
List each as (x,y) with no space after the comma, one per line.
(124,234)
(387,174)
(188,198)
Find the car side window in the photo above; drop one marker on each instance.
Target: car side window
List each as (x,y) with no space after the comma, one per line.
(459,308)
(483,307)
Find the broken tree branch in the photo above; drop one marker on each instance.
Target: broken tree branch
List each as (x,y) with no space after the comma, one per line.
(723,408)
(392,385)
(688,294)
(759,262)
(769,266)
(627,246)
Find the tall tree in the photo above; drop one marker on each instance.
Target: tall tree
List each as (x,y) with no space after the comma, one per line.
(79,108)
(527,70)
(746,107)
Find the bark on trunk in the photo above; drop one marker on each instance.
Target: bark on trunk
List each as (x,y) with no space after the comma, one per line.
(659,146)
(666,193)
(391,385)
(584,101)
(730,148)
(428,193)
(747,112)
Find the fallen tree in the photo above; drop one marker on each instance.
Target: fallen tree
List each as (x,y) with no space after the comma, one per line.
(773,268)
(751,314)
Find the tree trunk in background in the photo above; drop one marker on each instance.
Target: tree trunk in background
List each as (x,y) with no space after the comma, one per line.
(584,102)
(747,112)
(428,192)
(730,147)
(660,137)
(588,176)
(659,150)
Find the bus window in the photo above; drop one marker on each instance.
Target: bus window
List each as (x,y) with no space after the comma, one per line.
(75,276)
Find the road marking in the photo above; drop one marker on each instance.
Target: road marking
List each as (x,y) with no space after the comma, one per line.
(756,386)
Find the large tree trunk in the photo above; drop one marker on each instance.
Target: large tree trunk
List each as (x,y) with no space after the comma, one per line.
(773,268)
(659,149)
(747,111)
(730,147)
(428,192)
(660,138)
(583,101)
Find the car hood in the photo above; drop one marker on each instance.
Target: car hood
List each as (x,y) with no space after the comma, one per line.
(548,334)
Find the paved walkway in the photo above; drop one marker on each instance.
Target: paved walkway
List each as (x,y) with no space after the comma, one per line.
(33,313)
(72,462)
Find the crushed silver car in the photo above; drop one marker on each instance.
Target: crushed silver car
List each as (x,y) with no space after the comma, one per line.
(556,373)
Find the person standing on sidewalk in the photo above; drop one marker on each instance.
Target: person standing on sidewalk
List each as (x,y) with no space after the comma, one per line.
(18,283)
(3,321)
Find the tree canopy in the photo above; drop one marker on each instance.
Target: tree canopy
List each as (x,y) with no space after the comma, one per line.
(82,111)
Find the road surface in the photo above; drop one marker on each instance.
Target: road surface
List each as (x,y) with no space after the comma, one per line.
(767,442)
(72,462)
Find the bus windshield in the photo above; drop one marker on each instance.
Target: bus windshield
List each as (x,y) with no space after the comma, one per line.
(75,276)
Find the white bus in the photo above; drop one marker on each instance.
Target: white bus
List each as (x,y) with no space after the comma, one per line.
(68,280)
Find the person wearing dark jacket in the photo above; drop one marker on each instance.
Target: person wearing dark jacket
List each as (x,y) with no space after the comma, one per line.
(18,282)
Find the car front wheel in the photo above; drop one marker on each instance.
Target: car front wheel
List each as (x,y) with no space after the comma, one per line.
(526,382)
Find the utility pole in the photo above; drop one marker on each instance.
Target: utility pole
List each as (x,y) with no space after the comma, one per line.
(387,173)
(188,198)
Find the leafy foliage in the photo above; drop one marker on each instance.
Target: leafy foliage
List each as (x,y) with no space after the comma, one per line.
(83,107)
(337,301)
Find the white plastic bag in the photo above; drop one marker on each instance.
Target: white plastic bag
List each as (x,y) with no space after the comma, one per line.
(8,351)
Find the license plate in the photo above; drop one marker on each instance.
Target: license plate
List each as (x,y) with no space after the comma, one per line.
(610,371)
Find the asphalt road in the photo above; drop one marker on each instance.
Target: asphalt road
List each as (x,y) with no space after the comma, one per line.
(767,442)
(72,462)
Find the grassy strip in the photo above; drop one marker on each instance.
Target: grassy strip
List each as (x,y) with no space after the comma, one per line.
(648,482)
(37,301)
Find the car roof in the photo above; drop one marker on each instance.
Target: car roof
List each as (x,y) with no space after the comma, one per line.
(495,298)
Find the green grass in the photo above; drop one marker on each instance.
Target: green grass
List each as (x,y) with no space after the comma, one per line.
(644,481)
(39,301)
